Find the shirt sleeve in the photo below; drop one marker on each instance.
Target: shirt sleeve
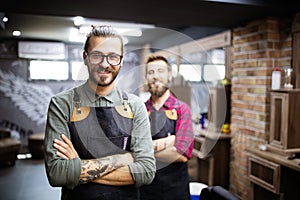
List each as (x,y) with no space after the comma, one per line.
(60,172)
(143,169)
(184,137)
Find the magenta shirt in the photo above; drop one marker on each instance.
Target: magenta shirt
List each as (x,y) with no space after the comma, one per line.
(184,134)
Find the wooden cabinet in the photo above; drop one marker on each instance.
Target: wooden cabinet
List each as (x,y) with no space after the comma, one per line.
(212,155)
(284,124)
(273,176)
(274,173)
(264,173)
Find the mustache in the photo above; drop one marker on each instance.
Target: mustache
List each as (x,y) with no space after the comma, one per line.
(102,69)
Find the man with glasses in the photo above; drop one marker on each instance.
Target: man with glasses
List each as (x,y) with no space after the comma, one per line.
(98,142)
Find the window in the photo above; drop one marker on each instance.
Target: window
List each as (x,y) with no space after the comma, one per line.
(79,71)
(212,72)
(197,73)
(48,70)
(188,71)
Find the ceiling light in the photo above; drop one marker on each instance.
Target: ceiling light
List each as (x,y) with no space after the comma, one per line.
(123,28)
(78,20)
(135,32)
(5,19)
(16,33)
(76,36)
(115,24)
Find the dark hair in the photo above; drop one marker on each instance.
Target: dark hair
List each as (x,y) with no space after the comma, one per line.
(155,58)
(103,31)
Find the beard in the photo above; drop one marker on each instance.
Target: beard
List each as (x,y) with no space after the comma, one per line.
(157,91)
(102,80)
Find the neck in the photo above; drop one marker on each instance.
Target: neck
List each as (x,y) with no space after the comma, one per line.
(159,101)
(101,90)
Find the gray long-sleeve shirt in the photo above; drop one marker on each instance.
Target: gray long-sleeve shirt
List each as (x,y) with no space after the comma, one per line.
(65,173)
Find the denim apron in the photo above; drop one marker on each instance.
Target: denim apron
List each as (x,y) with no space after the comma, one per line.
(97,132)
(171,180)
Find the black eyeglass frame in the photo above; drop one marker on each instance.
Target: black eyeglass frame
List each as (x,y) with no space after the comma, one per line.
(88,54)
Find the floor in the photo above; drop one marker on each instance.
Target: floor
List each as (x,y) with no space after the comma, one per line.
(26,180)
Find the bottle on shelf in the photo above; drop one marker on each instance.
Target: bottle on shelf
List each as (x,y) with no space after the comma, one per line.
(276,79)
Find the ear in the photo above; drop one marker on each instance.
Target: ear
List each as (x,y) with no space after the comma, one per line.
(121,64)
(169,77)
(84,56)
(145,82)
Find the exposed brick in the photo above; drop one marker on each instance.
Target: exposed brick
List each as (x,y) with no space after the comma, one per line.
(238,104)
(273,36)
(242,32)
(237,121)
(263,99)
(236,112)
(239,73)
(258,90)
(286,53)
(240,57)
(247,81)
(256,124)
(260,108)
(272,25)
(246,98)
(258,47)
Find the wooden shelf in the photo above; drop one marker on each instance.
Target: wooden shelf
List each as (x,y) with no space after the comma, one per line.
(282,160)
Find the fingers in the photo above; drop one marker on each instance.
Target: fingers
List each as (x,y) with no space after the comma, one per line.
(66,140)
(65,148)
(62,155)
(70,144)
(62,149)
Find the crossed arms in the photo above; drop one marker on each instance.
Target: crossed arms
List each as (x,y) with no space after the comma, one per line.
(110,170)
(114,170)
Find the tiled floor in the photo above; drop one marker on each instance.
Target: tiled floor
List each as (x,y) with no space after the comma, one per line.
(26,181)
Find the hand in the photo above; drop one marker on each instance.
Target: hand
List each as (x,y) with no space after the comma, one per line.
(65,148)
(163,143)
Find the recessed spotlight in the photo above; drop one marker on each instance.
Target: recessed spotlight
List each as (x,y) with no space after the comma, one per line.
(5,19)
(16,33)
(78,21)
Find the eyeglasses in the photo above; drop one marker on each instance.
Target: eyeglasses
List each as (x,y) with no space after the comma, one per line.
(97,58)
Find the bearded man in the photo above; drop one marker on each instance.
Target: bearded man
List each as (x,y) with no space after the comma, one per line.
(172,135)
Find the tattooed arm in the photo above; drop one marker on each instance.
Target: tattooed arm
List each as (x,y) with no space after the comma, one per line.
(120,176)
(107,166)
(95,168)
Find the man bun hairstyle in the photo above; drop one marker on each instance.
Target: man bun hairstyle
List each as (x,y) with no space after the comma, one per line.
(105,31)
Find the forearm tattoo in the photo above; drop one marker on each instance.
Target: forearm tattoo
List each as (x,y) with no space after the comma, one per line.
(95,168)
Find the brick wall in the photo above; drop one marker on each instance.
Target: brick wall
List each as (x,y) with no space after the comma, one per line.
(257,48)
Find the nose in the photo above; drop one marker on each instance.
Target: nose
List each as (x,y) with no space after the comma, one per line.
(104,63)
(155,75)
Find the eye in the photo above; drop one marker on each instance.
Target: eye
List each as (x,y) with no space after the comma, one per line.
(96,56)
(113,57)
(160,70)
(150,72)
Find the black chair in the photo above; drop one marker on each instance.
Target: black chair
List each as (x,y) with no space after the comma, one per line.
(216,193)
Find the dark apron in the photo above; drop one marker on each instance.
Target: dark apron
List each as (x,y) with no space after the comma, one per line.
(171,180)
(97,132)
